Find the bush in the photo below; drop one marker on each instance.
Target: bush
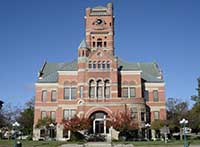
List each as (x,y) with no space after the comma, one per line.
(96,138)
(76,136)
(29,137)
(129,135)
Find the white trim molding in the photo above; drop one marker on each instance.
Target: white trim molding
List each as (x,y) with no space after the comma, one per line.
(67,72)
(46,84)
(154,84)
(131,72)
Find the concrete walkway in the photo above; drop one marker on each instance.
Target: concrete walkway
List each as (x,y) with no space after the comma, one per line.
(104,144)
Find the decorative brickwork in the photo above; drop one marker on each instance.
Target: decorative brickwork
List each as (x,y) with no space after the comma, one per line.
(98,81)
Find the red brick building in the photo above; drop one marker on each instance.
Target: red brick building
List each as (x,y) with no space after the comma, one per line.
(98,83)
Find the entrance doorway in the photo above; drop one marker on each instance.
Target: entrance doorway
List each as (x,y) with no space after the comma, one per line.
(99,122)
(99,126)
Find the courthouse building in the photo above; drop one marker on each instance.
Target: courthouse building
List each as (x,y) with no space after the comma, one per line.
(98,83)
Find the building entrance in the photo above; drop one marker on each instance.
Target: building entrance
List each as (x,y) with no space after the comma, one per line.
(99,122)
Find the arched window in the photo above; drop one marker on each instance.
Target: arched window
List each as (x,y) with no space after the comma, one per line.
(91,89)
(108,65)
(103,65)
(99,65)
(99,42)
(107,89)
(94,65)
(99,89)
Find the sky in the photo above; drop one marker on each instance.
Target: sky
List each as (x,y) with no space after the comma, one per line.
(162,31)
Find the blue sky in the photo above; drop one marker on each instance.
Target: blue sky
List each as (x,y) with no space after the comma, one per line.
(164,31)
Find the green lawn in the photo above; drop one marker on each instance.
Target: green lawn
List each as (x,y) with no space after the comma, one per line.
(34,143)
(10,143)
(154,143)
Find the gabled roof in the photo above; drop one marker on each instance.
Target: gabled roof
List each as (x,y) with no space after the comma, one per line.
(49,74)
(150,71)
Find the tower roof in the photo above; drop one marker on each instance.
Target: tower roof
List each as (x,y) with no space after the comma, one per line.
(83,44)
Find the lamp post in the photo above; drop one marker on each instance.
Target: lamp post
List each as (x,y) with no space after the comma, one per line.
(51,130)
(184,122)
(147,125)
(15,127)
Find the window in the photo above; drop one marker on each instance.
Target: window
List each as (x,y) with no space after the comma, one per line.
(69,113)
(155,95)
(107,89)
(99,42)
(90,65)
(134,113)
(43,115)
(81,92)
(142,116)
(70,93)
(94,44)
(156,115)
(94,65)
(99,89)
(73,93)
(66,114)
(53,95)
(66,93)
(99,65)
(132,92)
(125,92)
(91,94)
(91,89)
(44,95)
(103,65)
(105,44)
(108,65)
(53,115)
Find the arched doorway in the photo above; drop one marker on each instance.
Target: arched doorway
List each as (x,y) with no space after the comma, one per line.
(99,122)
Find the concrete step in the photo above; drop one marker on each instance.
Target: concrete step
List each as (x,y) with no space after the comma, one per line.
(98,144)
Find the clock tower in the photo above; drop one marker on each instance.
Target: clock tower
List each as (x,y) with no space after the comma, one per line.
(99,28)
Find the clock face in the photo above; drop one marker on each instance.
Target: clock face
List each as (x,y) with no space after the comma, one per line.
(99,21)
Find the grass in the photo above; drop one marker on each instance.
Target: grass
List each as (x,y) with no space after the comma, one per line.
(10,143)
(36,143)
(157,143)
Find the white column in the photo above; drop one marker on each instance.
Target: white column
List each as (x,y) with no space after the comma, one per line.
(94,121)
(129,92)
(95,91)
(103,91)
(104,121)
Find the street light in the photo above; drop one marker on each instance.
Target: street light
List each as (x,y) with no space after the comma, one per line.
(15,127)
(184,122)
(51,130)
(147,125)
